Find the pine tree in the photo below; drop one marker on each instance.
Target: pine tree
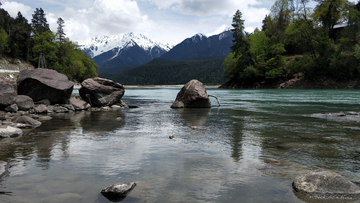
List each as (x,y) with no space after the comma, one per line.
(39,22)
(60,30)
(245,65)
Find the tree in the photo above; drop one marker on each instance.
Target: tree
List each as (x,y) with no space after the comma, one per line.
(20,37)
(330,13)
(280,16)
(39,22)
(245,63)
(45,43)
(60,30)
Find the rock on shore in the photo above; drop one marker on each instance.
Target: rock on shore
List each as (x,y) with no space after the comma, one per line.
(47,84)
(8,93)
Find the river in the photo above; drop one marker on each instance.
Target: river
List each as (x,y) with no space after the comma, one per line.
(247,150)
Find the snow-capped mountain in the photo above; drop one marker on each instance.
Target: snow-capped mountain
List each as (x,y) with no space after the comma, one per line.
(102,44)
(200,46)
(123,51)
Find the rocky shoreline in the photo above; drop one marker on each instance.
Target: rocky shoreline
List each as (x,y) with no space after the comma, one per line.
(295,83)
(39,93)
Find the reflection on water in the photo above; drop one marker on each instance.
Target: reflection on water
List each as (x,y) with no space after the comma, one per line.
(247,150)
(194,118)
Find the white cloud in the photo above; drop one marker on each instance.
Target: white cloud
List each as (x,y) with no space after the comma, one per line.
(13,8)
(165,4)
(105,17)
(211,16)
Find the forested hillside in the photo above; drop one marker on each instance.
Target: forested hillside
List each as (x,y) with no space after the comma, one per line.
(26,41)
(172,72)
(297,41)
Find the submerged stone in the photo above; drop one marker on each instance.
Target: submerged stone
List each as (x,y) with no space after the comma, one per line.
(325,184)
(118,191)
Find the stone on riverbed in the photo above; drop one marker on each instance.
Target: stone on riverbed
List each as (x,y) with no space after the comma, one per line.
(28,121)
(79,104)
(325,184)
(7,131)
(117,192)
(192,95)
(40,109)
(12,108)
(24,102)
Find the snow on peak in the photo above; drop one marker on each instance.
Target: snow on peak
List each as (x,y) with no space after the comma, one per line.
(102,44)
(198,36)
(225,34)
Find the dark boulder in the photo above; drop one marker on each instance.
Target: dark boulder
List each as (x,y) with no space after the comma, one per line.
(101,92)
(8,93)
(24,102)
(47,84)
(192,95)
(117,192)
(325,184)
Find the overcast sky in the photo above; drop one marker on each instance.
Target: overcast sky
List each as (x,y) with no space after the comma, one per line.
(167,21)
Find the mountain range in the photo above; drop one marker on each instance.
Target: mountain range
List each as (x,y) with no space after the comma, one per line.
(123,51)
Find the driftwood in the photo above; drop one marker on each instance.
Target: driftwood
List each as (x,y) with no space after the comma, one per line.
(215,98)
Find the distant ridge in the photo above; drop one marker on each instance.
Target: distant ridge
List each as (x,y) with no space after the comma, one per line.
(199,46)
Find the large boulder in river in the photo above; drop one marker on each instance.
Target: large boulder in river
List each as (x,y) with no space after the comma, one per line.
(326,184)
(47,84)
(101,92)
(8,93)
(192,95)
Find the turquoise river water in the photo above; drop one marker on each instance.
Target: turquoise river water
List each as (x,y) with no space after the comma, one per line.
(247,150)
